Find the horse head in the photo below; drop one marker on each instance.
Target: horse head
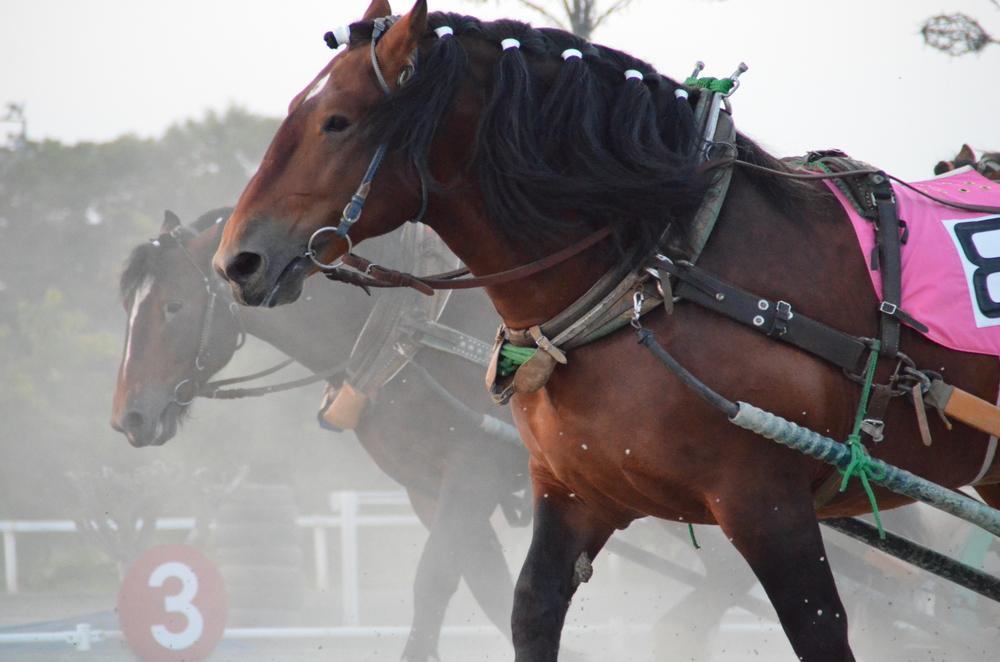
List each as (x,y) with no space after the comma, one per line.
(443,114)
(316,163)
(988,165)
(181,328)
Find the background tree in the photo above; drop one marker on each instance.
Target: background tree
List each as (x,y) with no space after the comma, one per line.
(957,34)
(581,17)
(69,217)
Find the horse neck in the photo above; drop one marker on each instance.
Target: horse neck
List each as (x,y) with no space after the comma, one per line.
(464,227)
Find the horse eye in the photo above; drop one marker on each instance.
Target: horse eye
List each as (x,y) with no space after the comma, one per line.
(336,124)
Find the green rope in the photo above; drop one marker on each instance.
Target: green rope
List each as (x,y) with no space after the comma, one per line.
(861,465)
(512,358)
(691,533)
(721,85)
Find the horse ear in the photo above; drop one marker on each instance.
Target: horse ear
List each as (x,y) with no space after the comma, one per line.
(377,9)
(398,44)
(966,153)
(170,222)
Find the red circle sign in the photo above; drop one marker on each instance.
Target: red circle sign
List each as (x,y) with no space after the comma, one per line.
(172,605)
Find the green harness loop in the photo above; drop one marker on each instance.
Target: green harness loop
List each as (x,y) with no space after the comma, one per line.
(861,465)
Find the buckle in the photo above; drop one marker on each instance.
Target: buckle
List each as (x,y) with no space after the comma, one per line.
(888,308)
(873,427)
(782,315)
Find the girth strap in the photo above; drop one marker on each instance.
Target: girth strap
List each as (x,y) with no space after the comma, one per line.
(776,320)
(890,264)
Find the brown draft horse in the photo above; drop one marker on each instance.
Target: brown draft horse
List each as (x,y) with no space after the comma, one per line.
(988,165)
(523,152)
(455,475)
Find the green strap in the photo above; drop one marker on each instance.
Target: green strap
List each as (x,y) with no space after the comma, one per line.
(861,465)
(721,85)
(512,358)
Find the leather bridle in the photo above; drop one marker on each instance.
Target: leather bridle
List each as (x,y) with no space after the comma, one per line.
(207,320)
(352,211)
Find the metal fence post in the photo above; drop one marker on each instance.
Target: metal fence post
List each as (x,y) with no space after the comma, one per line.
(10,561)
(349,556)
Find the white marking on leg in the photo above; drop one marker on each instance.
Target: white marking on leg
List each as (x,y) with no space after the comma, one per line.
(141,293)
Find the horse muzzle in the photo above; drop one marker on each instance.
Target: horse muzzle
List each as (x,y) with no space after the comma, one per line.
(142,429)
(254,282)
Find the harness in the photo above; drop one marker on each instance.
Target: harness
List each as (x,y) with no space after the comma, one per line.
(352,211)
(175,238)
(400,324)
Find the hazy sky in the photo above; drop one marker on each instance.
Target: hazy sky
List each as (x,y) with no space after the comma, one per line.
(852,74)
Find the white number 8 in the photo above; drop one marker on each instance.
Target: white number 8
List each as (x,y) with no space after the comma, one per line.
(180,603)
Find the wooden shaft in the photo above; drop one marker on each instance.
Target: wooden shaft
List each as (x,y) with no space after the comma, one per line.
(966,407)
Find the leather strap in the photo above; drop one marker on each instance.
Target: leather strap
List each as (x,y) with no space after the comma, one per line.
(890,264)
(374,275)
(773,319)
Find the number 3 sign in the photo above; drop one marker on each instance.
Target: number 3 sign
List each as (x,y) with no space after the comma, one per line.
(172,605)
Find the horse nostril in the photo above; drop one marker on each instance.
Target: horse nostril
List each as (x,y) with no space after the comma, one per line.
(243,267)
(132,423)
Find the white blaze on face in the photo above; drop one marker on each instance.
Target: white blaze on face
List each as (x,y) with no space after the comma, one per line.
(141,294)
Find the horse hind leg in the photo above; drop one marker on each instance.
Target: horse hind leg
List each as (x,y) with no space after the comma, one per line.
(780,539)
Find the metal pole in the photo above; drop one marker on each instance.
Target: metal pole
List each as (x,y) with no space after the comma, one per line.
(898,480)
(349,556)
(10,561)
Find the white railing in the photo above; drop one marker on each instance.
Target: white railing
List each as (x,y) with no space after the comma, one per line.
(347,507)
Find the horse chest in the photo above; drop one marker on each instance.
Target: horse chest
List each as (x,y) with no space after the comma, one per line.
(614,468)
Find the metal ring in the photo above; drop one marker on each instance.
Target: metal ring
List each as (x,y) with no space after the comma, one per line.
(178,387)
(311,253)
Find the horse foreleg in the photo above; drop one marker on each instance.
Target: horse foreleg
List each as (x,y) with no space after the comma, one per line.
(485,571)
(780,539)
(461,543)
(563,544)
(437,580)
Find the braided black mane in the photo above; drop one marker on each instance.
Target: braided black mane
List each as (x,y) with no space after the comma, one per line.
(563,147)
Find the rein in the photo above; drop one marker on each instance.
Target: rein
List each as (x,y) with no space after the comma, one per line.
(867,171)
(213,390)
(374,275)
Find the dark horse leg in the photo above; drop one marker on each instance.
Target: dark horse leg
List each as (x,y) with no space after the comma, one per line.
(779,537)
(552,571)
(461,543)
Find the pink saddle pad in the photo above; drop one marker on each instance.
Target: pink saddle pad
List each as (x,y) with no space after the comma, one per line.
(951,260)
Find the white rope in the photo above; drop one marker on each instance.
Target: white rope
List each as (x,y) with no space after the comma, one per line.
(571,53)
(444,31)
(632,74)
(510,43)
